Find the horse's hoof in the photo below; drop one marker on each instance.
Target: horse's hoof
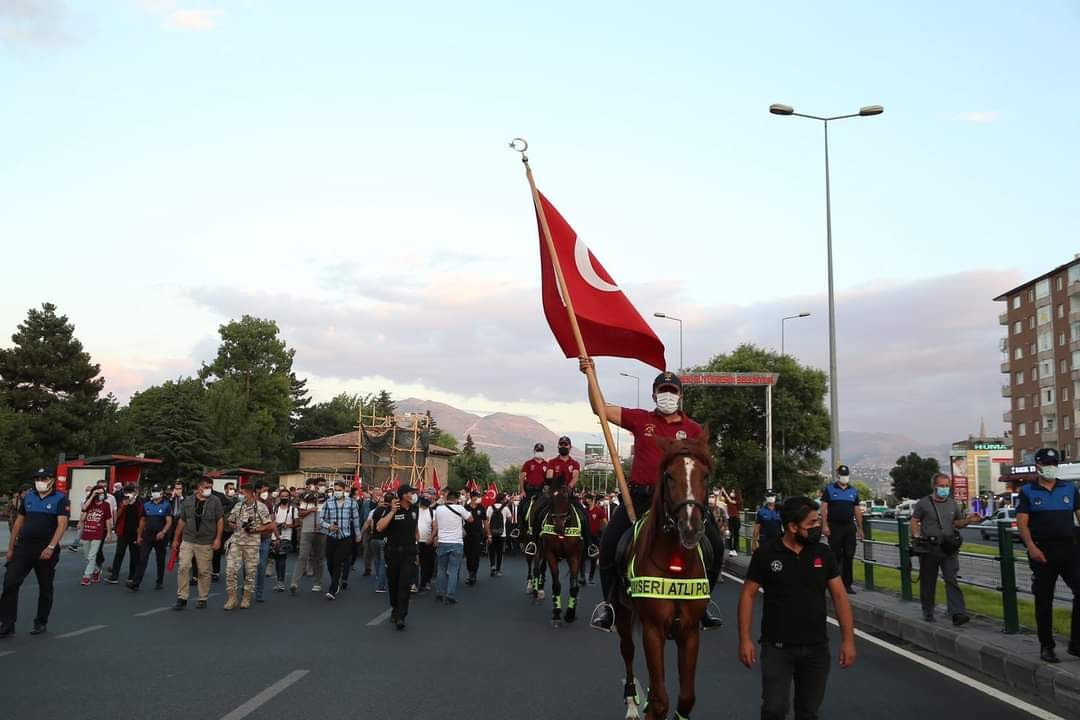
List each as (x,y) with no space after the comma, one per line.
(555,624)
(540,594)
(570,616)
(632,710)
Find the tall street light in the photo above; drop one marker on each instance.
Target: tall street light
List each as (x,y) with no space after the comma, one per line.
(784,320)
(638,381)
(865,111)
(669,317)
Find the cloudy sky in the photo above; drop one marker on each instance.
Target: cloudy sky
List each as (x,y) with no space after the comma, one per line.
(341,167)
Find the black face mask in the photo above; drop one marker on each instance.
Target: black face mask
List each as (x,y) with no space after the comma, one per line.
(812,537)
(564,451)
(283,500)
(424,502)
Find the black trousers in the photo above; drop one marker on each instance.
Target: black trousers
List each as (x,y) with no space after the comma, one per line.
(473,542)
(150,543)
(842,543)
(338,555)
(495,554)
(807,666)
(427,563)
(733,524)
(1062,560)
(123,545)
(27,557)
(531,496)
(400,565)
(620,523)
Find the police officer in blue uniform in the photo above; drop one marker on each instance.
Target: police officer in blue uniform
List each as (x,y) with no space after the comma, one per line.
(34,545)
(155,537)
(767,523)
(1044,517)
(841,522)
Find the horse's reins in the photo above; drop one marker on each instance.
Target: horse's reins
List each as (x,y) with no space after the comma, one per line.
(672,508)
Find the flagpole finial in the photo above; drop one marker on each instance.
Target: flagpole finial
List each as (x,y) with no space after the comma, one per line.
(520,145)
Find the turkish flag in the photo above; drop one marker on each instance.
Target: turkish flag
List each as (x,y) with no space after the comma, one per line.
(610,324)
(435,481)
(489,496)
(356,480)
(472,486)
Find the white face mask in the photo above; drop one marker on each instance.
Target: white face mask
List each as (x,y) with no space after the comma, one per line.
(538,455)
(230,493)
(42,486)
(129,496)
(207,492)
(770,501)
(155,496)
(413,498)
(667,403)
(264,496)
(1050,472)
(843,479)
(339,494)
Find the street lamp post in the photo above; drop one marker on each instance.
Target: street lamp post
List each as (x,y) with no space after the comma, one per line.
(638,381)
(669,317)
(865,111)
(784,320)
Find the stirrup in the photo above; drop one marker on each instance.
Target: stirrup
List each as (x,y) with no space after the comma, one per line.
(597,618)
(515,533)
(711,620)
(593,551)
(530,548)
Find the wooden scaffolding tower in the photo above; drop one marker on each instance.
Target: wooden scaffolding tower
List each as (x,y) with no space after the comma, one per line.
(406,446)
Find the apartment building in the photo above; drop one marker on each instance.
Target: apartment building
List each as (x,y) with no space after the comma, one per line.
(1041,361)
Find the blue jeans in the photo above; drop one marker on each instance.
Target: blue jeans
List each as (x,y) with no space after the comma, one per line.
(448,564)
(378,554)
(264,558)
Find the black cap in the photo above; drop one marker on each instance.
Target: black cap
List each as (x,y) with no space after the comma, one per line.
(669,379)
(129,488)
(156,487)
(405,490)
(1047,456)
(564,440)
(45,472)
(843,470)
(538,447)
(475,494)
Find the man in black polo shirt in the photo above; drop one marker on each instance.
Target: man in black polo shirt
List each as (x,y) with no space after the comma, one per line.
(35,539)
(795,572)
(398,526)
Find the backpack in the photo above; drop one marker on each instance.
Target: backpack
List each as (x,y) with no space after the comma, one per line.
(497,520)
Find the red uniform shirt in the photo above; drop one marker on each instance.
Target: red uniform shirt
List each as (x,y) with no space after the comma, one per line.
(597,516)
(645,425)
(535,472)
(564,466)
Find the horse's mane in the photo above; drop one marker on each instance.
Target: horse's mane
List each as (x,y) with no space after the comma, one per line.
(679,448)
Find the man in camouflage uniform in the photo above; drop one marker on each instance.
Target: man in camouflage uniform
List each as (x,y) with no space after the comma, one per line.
(249,518)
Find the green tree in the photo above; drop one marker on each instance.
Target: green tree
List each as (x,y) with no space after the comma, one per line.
(509,479)
(470,466)
(384,404)
(257,365)
(470,447)
(736,419)
(865,493)
(16,455)
(338,415)
(444,439)
(48,377)
(911,475)
(169,421)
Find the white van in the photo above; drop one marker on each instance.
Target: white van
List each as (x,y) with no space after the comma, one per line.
(874,509)
(904,509)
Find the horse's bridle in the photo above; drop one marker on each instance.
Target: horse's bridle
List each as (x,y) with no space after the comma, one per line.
(671,508)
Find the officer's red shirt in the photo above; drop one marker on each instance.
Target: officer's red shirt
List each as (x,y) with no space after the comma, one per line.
(647,425)
(535,471)
(564,466)
(597,516)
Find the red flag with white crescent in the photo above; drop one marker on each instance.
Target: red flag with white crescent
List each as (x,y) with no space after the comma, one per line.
(610,324)
(435,481)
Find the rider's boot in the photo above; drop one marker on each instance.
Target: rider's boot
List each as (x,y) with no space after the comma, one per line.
(710,619)
(603,615)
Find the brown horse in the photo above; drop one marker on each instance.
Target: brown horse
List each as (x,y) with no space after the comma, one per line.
(560,539)
(668,590)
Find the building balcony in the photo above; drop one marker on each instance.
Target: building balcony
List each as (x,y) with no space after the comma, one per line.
(1003,318)
(1045,354)
(1074,316)
(1005,366)
(1074,344)
(1006,391)
(1047,381)
(1076,431)
(1007,417)
(1074,287)
(1043,301)
(1003,344)
(1049,436)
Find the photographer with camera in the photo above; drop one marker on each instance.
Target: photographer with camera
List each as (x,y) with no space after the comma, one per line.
(935,523)
(312,541)
(249,519)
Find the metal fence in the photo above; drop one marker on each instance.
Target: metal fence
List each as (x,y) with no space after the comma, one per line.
(1005,572)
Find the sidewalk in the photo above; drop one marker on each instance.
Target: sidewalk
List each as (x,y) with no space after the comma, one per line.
(979,645)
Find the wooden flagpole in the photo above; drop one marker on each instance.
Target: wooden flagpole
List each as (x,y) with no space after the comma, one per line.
(595,395)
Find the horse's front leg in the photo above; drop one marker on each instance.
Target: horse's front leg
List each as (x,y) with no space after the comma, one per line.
(654,635)
(688,642)
(571,606)
(624,623)
(556,589)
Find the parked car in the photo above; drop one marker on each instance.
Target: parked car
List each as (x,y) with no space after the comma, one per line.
(904,509)
(874,509)
(988,528)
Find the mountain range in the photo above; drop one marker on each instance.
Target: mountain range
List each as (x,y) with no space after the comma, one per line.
(508,439)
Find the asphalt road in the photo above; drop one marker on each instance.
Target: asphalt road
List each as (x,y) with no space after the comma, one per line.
(492,655)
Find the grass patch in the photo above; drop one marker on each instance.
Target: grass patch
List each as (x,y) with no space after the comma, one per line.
(978,600)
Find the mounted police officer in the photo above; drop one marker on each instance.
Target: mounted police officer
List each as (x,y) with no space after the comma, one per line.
(665,421)
(1044,518)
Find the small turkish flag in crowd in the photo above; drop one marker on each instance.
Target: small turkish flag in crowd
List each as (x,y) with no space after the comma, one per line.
(489,496)
(435,481)
(610,325)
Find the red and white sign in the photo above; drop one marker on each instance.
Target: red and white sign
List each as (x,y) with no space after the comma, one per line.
(960,488)
(730,378)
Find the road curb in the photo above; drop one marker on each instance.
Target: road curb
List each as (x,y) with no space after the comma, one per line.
(980,646)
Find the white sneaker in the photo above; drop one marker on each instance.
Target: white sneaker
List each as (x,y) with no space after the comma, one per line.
(316,588)
(733,553)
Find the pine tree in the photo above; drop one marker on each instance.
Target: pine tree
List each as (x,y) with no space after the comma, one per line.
(49,378)
(384,404)
(470,447)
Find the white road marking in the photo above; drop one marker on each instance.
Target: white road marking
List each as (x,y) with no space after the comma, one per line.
(85,630)
(7,652)
(265,696)
(163,608)
(993,692)
(381,617)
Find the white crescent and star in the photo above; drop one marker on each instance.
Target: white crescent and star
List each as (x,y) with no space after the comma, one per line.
(587,271)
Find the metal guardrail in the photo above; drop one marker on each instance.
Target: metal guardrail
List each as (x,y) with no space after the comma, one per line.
(998,572)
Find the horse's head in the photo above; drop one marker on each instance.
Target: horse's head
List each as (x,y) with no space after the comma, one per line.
(686,465)
(560,507)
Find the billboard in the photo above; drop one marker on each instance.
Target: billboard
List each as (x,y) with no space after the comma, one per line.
(729,378)
(594,452)
(959,471)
